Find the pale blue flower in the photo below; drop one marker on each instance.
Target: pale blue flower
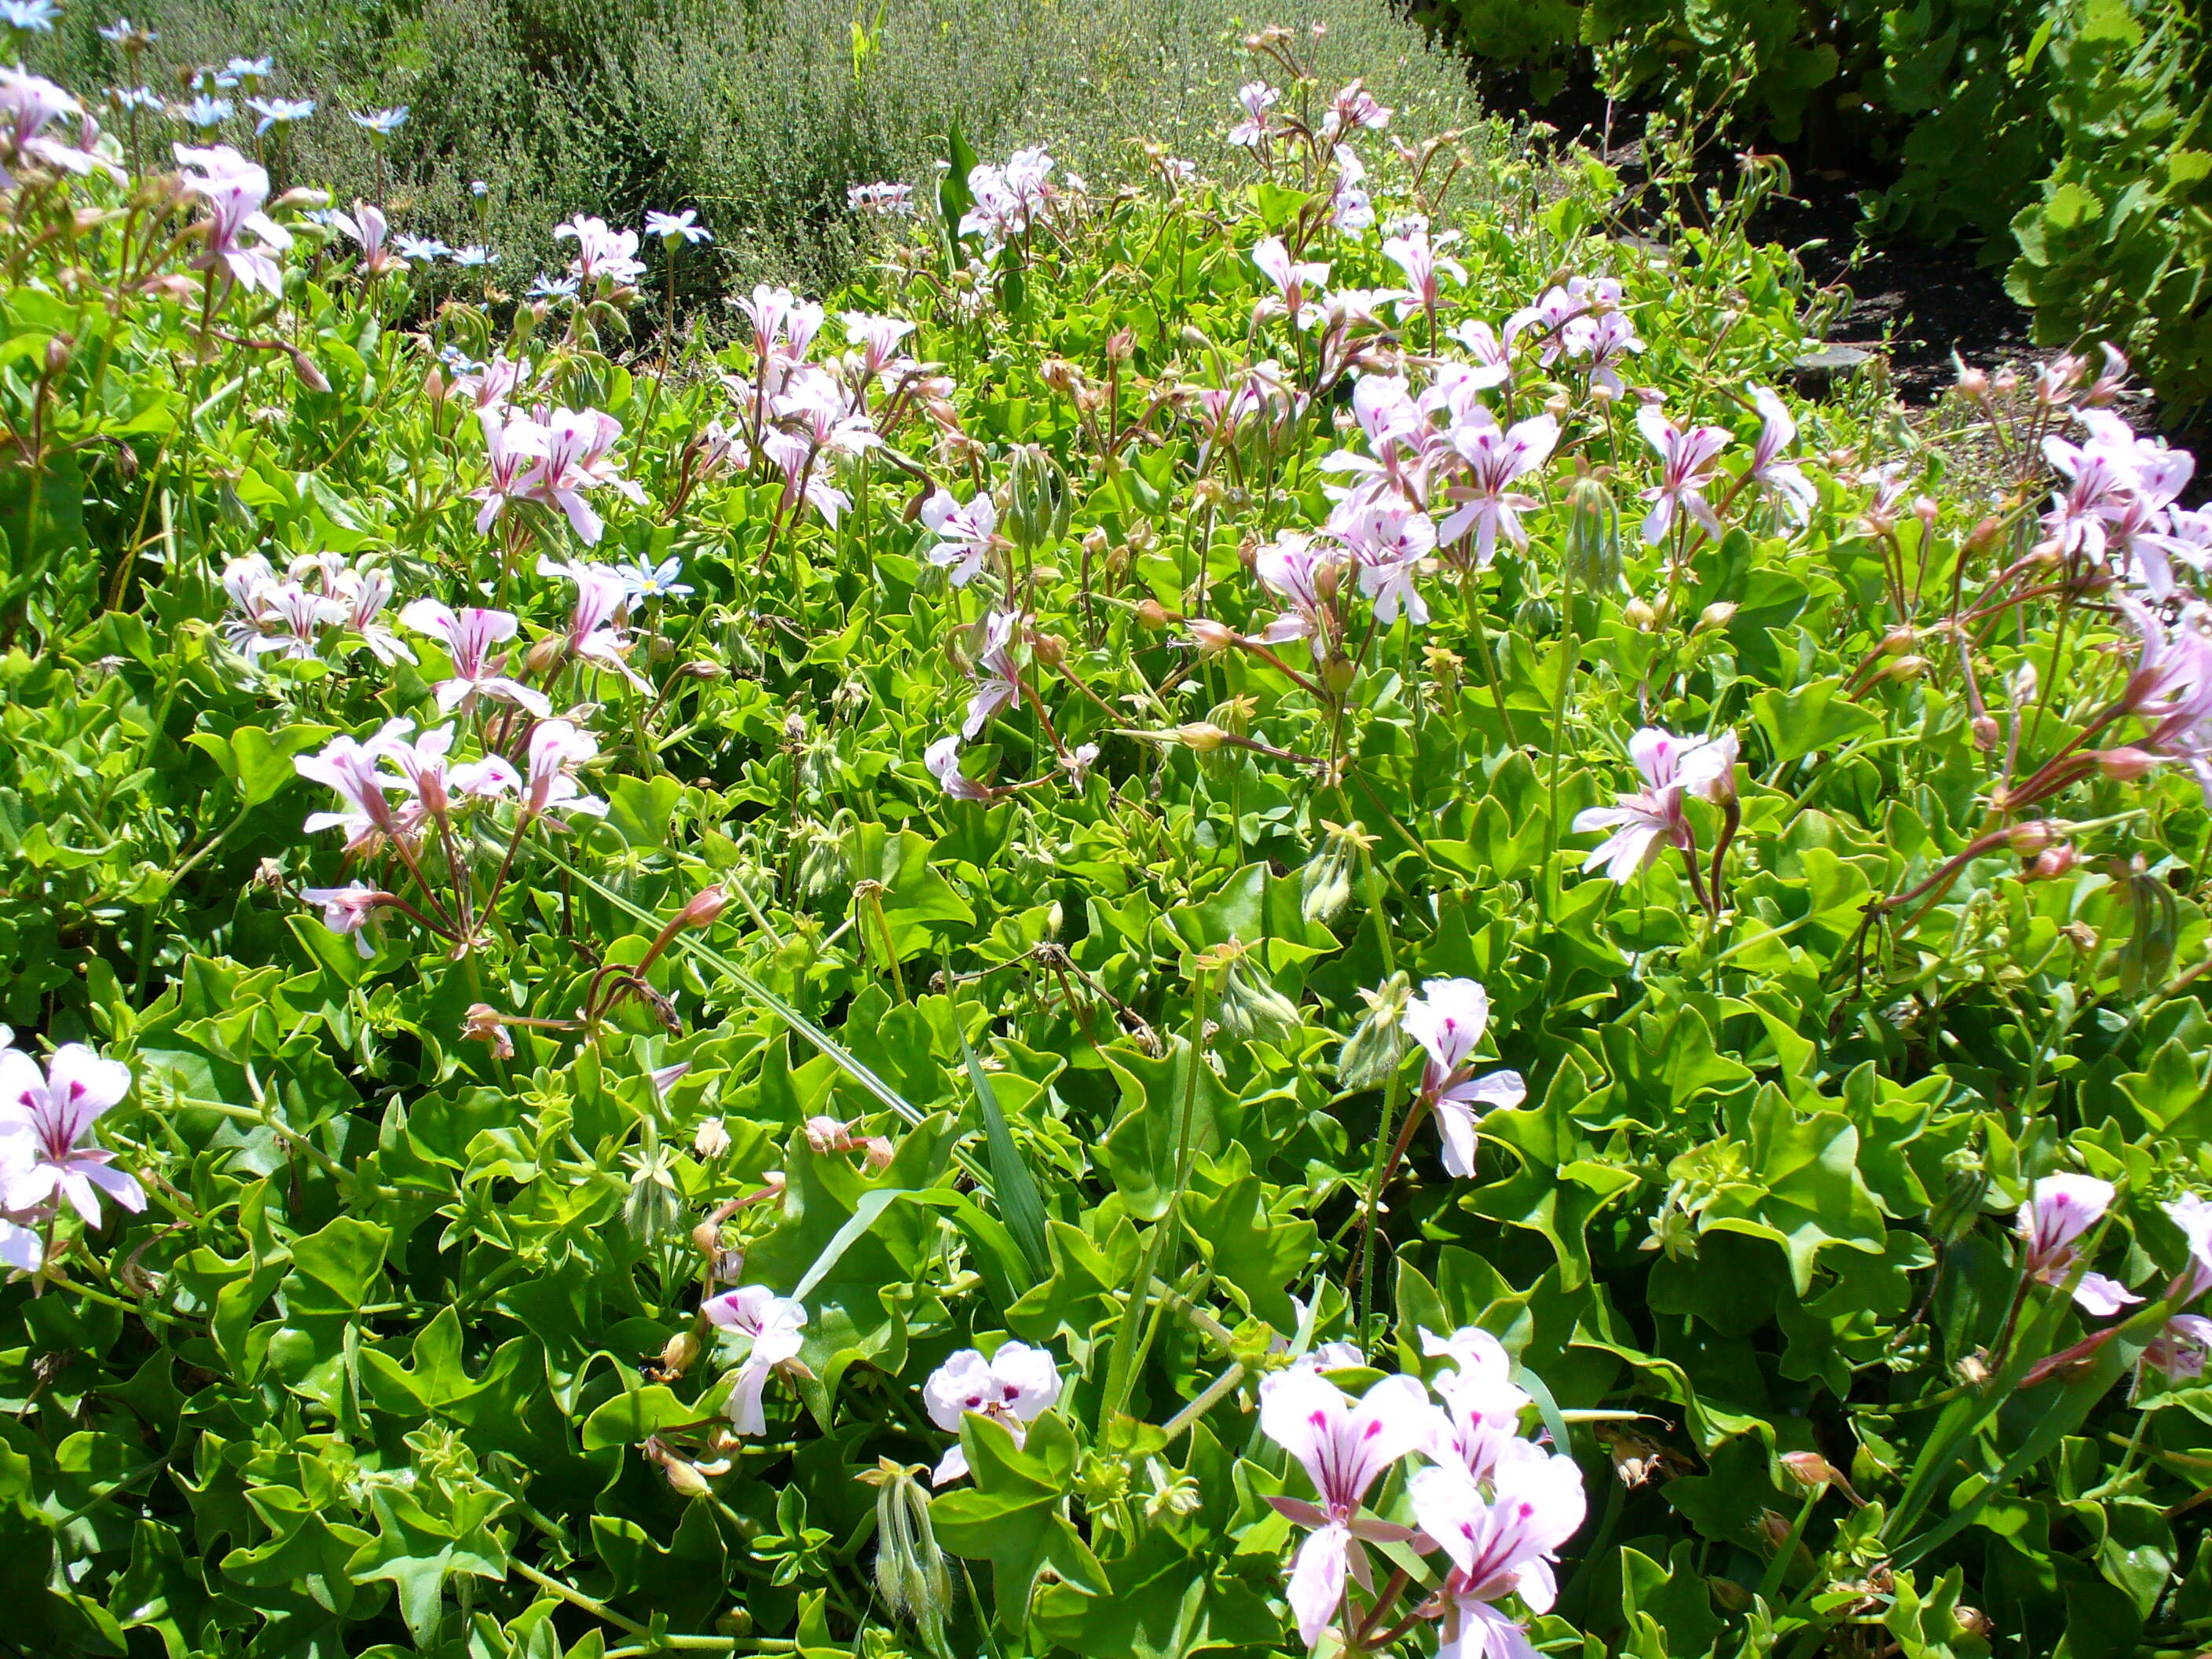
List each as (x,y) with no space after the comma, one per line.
(28,16)
(553,288)
(670,226)
(474,256)
(429,249)
(382,122)
(647,580)
(279,112)
(204,112)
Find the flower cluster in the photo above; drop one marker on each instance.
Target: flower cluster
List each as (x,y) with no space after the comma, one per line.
(1009,199)
(322,600)
(1497,1505)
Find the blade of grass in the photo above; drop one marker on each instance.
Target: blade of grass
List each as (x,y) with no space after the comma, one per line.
(1018,1201)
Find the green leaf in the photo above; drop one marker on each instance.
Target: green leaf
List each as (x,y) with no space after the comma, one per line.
(1012,1517)
(1816,716)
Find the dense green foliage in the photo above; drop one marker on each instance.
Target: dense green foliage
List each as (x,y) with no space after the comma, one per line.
(1132,829)
(2072,133)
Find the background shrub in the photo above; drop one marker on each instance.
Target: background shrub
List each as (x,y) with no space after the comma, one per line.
(759,114)
(2069,133)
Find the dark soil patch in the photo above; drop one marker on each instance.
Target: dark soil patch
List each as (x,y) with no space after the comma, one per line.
(1918,303)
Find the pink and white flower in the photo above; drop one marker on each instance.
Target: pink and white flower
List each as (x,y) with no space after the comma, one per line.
(1480,1425)
(349,767)
(966,534)
(347,910)
(1784,481)
(1300,282)
(773,1323)
(1448,1020)
(1502,1544)
(942,758)
(468,635)
(515,445)
(46,1152)
(558,748)
(1686,470)
(1495,457)
(234,190)
(1015,1386)
(1344,1447)
(1672,770)
(603,254)
(603,594)
(2060,1210)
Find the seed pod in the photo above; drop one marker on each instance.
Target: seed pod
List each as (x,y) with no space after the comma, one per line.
(1252,1009)
(1537,615)
(1372,1054)
(1037,494)
(1593,541)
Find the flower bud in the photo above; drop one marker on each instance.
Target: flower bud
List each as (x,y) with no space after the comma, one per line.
(735,1622)
(1906,668)
(1121,345)
(1094,543)
(545,659)
(1985,533)
(1337,673)
(684,1480)
(1558,406)
(1898,640)
(1593,538)
(711,1140)
(1973,1620)
(1809,1468)
(2054,862)
(1049,649)
(1252,1009)
(677,1353)
(2031,838)
(705,908)
(1201,735)
(2125,764)
(911,1576)
(59,350)
(1972,383)
(310,373)
(1212,638)
(1150,613)
(481,1023)
(1715,616)
(1640,614)
(1727,1595)
(1985,733)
